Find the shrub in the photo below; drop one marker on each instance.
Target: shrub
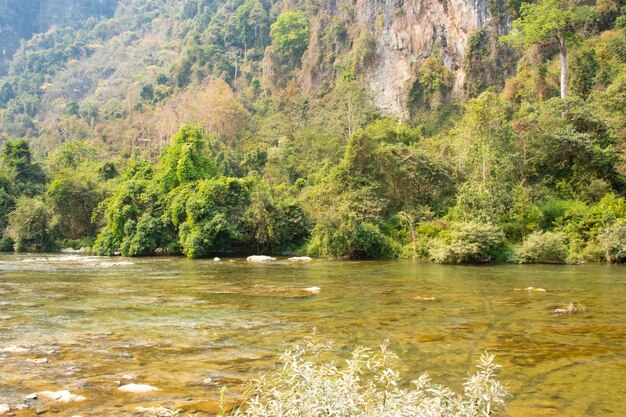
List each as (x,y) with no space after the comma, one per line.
(469,243)
(543,247)
(348,235)
(367,386)
(31,225)
(613,241)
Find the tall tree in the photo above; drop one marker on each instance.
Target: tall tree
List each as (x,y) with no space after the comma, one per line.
(548,22)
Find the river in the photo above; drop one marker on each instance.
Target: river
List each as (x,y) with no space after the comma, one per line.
(87,324)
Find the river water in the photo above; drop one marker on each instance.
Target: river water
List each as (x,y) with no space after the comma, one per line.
(189,327)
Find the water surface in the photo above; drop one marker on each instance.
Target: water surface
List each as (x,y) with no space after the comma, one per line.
(190,327)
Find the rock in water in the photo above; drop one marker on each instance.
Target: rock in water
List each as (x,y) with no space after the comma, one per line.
(63,396)
(137,388)
(313,290)
(300,259)
(14,349)
(260,258)
(38,361)
(4,408)
(72,250)
(216,259)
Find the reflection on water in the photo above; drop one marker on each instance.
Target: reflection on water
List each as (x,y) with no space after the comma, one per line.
(88,324)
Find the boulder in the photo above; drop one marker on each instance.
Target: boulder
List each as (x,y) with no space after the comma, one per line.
(63,396)
(14,349)
(300,259)
(260,258)
(137,388)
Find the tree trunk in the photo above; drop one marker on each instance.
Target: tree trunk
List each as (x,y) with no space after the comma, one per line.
(563,53)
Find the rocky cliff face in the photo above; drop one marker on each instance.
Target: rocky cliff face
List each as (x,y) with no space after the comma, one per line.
(403,32)
(407,32)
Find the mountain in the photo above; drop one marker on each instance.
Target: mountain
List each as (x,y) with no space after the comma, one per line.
(101,53)
(21,19)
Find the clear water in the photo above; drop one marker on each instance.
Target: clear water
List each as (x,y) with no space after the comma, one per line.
(173,323)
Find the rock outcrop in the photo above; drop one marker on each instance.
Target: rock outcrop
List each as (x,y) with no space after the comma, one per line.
(403,33)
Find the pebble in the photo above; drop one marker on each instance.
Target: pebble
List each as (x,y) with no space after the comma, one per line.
(137,388)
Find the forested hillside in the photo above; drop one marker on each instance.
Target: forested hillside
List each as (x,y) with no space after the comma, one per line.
(474,132)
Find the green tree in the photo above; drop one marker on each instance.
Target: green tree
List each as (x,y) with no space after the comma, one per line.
(16,155)
(548,22)
(290,34)
(73,196)
(7,93)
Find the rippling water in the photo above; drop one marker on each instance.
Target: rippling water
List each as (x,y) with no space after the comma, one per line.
(189,327)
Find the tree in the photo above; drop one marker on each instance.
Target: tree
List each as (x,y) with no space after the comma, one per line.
(548,22)
(16,155)
(290,34)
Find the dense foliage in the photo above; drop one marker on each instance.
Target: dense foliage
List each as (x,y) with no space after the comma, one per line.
(200,128)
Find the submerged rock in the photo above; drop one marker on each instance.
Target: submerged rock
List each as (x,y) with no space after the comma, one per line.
(260,258)
(63,396)
(137,388)
(530,289)
(112,264)
(156,411)
(38,361)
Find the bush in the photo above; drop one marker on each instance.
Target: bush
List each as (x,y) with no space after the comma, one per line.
(613,241)
(31,225)
(368,386)
(543,247)
(348,235)
(469,243)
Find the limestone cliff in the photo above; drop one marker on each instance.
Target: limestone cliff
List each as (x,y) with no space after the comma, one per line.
(405,32)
